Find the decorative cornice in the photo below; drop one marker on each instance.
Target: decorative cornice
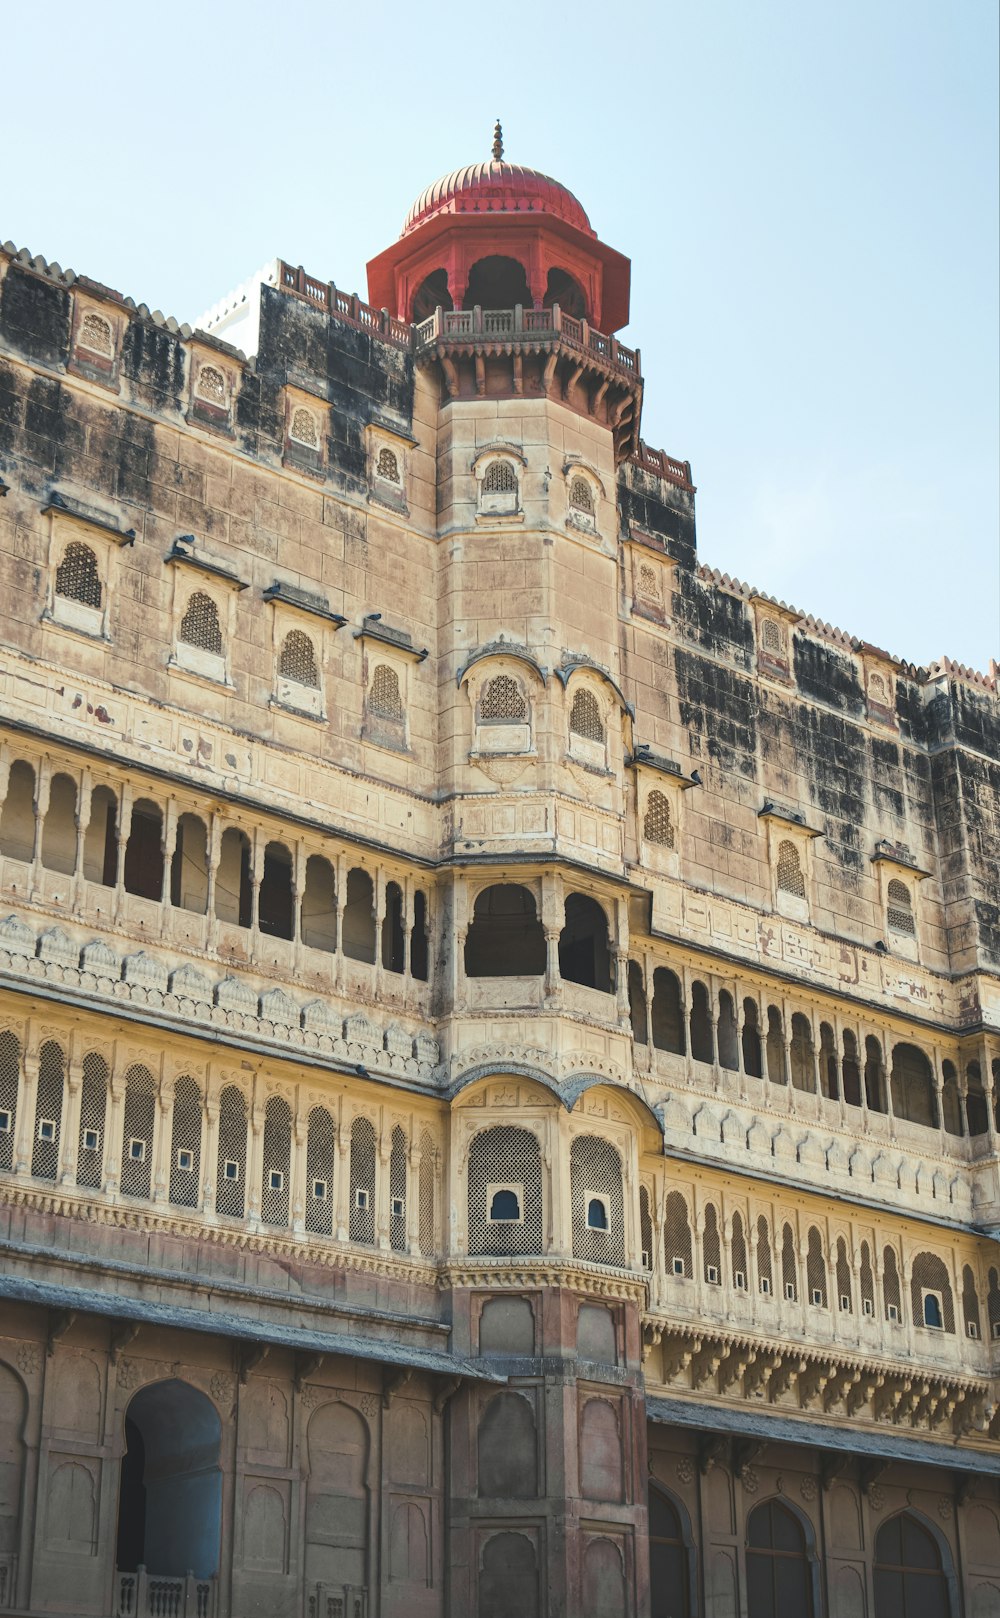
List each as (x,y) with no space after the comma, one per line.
(515,1274)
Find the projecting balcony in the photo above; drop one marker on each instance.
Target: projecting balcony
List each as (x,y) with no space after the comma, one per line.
(522,351)
(155,1595)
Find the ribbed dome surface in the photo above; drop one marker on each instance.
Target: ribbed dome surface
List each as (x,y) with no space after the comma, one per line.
(499,188)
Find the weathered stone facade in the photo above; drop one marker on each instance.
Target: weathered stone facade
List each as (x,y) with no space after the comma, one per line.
(499,1024)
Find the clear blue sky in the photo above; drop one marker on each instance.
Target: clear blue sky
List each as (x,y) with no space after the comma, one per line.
(808,193)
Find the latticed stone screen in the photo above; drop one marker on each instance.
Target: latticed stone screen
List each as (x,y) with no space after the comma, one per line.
(585,717)
(500,479)
(789,1268)
(816,1268)
(711,1246)
(93,1111)
(95,335)
(230,1185)
(739,1252)
(200,624)
(677,1238)
(426,1191)
(645,1228)
(867,1281)
(319,1172)
(772,637)
(502,702)
(930,1272)
(48,1112)
(890,1283)
(900,908)
(596,1170)
(397,1192)
(505,1156)
(10,1070)
(137,1131)
(303,428)
(790,878)
(970,1302)
(212,385)
(277,1162)
(764,1267)
(844,1288)
(387,466)
(657,826)
(384,699)
(298,660)
(185,1144)
(581,496)
(993,1302)
(363,1181)
(78,577)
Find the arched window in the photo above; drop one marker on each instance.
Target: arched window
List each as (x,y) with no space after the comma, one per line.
(581,495)
(78,577)
(874,1075)
(727,1033)
(711,1247)
(789,1266)
(185,1145)
(275,901)
(506,938)
(765,1273)
(598,1210)
(189,865)
(772,637)
(420,938)
(585,717)
(277,1155)
(499,491)
(427,1177)
(17,820)
(845,1296)
(397,1191)
(738,1254)
(387,466)
(95,335)
(668,1558)
(393,936)
(233,885)
(297,661)
(677,1251)
(976,1107)
(899,908)
(137,1131)
(951,1103)
(816,1269)
(362,1221)
(230,1189)
(200,624)
(319,1172)
(645,1228)
(776,1065)
(48,1112)
(143,863)
(357,932)
(303,428)
(501,702)
(790,878)
(909,1579)
(384,698)
(657,826)
(867,1283)
(750,1040)
(801,1052)
(930,1293)
(59,826)
(637,1003)
(779,1576)
(584,953)
(505,1193)
(702,1040)
(850,1071)
(93,1107)
(211,385)
(913,1086)
(829,1068)
(970,1304)
(668,1012)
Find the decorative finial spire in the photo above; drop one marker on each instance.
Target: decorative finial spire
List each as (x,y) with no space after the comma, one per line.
(497,142)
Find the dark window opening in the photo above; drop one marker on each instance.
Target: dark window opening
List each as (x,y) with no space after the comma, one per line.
(505,1205)
(597,1214)
(850,1071)
(17,822)
(189,866)
(144,852)
(170,1496)
(951,1104)
(668,1012)
(393,948)
(874,1076)
(497,283)
(359,917)
(506,938)
(779,1577)
(584,956)
(829,1068)
(728,1046)
(803,1060)
(637,1002)
(913,1086)
(100,843)
(567,292)
(233,879)
(419,949)
(668,1560)
(59,829)
(319,905)
(909,1579)
(275,904)
(976,1109)
(431,293)
(751,1040)
(776,1070)
(702,1043)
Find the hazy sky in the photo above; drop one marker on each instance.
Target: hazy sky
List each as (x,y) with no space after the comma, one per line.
(808,194)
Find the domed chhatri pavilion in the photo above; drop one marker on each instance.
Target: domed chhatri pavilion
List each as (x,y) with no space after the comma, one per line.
(499,1022)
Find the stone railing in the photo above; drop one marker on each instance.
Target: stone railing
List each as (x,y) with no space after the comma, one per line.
(8,1579)
(527,325)
(157,1595)
(336,1601)
(346,306)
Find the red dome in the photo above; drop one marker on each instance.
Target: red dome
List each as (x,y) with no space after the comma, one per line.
(497,188)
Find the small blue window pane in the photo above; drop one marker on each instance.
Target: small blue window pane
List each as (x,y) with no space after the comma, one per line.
(505,1205)
(597,1217)
(932,1311)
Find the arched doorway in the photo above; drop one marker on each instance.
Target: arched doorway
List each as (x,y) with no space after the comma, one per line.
(497,283)
(779,1570)
(170,1499)
(910,1581)
(669,1585)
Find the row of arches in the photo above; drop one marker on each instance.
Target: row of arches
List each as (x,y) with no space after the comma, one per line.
(758,1040)
(182,1148)
(497,282)
(264,884)
(506,938)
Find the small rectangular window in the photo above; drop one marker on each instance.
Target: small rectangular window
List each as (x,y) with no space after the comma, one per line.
(137,1150)
(740,1280)
(230,1169)
(972,1328)
(790,1291)
(996,1328)
(185,1160)
(678,1265)
(5,1122)
(276,1180)
(845,1303)
(319,1190)
(46,1129)
(892,1312)
(869,1307)
(398,1207)
(647,1261)
(711,1275)
(361,1197)
(765,1285)
(91,1140)
(817,1297)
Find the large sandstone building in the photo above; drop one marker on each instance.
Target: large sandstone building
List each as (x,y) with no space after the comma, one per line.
(499,1023)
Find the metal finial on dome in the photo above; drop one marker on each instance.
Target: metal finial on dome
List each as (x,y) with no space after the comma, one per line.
(497,142)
